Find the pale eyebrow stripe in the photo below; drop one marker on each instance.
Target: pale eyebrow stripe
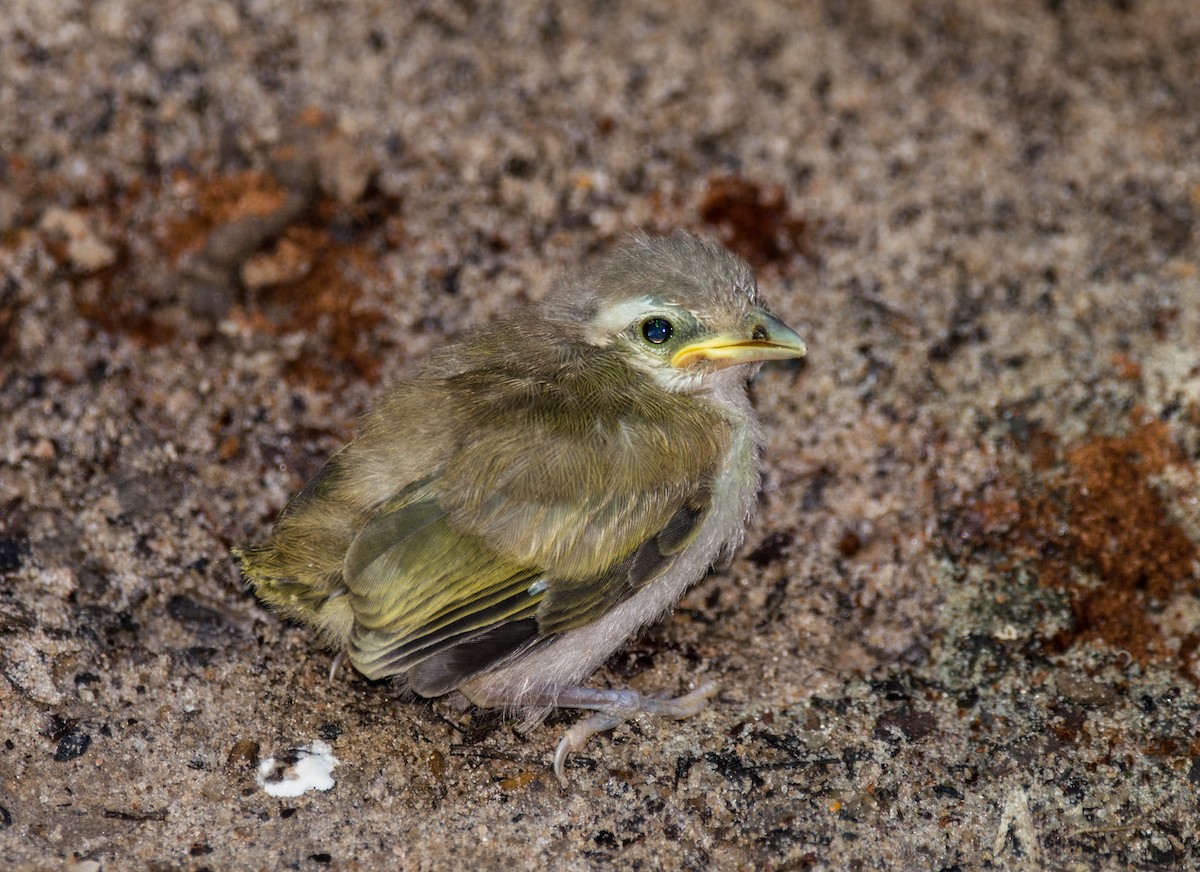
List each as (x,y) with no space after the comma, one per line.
(619,317)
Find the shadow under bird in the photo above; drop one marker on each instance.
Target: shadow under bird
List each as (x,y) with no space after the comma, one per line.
(541,489)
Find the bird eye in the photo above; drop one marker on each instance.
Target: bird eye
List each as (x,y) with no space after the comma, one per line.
(657,330)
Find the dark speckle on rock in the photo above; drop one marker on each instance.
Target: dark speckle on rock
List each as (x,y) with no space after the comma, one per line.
(57,726)
(891,688)
(606,839)
(194,616)
(12,554)
(771,549)
(907,723)
(849,544)
(732,767)
(683,765)
(243,754)
(74,744)
(947,792)
(199,655)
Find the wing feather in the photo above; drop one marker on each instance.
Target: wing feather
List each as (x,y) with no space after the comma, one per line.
(565,491)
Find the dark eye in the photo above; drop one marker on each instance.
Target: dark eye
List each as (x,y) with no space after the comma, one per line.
(657,330)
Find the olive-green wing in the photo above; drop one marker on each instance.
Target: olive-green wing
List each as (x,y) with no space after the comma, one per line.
(417,586)
(440,605)
(562,605)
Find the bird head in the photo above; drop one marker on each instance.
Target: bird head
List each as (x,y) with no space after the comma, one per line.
(677,307)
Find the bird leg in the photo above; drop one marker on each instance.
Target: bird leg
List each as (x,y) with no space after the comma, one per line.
(611,707)
(614,706)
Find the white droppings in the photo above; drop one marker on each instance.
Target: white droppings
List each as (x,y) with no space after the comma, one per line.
(310,771)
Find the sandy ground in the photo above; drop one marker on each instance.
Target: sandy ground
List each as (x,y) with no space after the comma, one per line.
(965,630)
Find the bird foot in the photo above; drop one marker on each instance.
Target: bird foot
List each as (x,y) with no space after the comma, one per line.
(616,706)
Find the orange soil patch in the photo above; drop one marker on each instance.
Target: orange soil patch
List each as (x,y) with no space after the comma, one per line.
(1092,521)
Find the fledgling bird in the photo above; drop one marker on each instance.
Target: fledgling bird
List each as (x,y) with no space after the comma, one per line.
(541,489)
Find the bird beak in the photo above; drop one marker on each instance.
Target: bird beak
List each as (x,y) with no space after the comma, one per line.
(763,337)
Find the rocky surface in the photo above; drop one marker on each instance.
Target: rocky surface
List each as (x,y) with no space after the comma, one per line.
(965,629)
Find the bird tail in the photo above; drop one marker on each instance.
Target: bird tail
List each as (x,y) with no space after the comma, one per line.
(318,601)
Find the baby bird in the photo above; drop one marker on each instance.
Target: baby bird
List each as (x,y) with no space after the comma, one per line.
(540,490)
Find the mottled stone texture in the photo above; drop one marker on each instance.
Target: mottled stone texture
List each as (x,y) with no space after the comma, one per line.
(965,629)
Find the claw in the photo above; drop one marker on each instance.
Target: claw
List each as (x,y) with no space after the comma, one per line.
(335,665)
(577,736)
